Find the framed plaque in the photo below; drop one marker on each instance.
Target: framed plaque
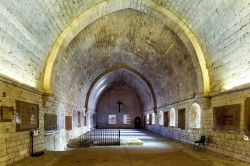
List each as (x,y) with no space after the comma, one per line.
(227,118)
(182,118)
(78,119)
(126,119)
(27,115)
(6,114)
(68,120)
(166,119)
(112,119)
(50,122)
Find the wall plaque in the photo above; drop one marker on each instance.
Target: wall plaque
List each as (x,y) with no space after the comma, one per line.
(112,119)
(94,119)
(126,119)
(150,119)
(27,115)
(227,118)
(247,116)
(68,120)
(85,120)
(78,119)
(50,122)
(6,114)
(166,119)
(181,118)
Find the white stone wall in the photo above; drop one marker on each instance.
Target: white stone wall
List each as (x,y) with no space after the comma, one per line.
(28,30)
(222,28)
(228,143)
(58,141)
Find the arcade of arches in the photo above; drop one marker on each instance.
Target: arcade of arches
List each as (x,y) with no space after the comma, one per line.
(68,66)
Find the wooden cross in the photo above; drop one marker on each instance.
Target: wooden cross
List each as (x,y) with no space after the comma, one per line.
(119,103)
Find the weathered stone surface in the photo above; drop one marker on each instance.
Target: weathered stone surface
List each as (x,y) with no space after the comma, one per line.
(107,105)
(140,37)
(149,47)
(31,31)
(16,145)
(227,142)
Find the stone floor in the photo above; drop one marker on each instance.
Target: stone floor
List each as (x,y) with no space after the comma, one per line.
(156,151)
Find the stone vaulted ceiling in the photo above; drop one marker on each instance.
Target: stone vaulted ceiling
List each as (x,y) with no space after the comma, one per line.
(122,76)
(141,43)
(181,47)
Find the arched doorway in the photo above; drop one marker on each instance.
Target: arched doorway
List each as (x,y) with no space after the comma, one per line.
(123,85)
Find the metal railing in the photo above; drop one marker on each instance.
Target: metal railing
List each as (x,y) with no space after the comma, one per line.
(100,137)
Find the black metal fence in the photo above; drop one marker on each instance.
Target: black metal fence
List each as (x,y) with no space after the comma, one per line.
(101,137)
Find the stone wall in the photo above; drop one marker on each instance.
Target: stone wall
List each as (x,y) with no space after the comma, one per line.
(27,35)
(222,29)
(149,48)
(107,105)
(14,145)
(57,140)
(229,143)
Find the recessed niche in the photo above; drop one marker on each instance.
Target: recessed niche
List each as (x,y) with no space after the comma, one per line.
(75,119)
(153,118)
(195,116)
(85,121)
(78,119)
(161,118)
(60,117)
(227,118)
(181,118)
(172,117)
(150,119)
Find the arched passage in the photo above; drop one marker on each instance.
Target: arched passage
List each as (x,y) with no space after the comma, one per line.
(173,22)
(153,50)
(124,86)
(121,73)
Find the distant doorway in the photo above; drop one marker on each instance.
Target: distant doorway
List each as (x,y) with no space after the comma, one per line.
(137,122)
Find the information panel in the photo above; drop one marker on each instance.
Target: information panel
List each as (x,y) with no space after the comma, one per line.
(27,115)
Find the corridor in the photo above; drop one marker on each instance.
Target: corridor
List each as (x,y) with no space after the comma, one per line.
(155,151)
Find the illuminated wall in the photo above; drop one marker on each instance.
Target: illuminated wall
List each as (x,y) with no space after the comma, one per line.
(172,117)
(27,35)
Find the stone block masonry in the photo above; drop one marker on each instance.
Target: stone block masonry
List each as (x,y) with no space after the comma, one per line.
(230,143)
(15,146)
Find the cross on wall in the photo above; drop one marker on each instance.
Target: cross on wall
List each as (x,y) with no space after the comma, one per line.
(119,104)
